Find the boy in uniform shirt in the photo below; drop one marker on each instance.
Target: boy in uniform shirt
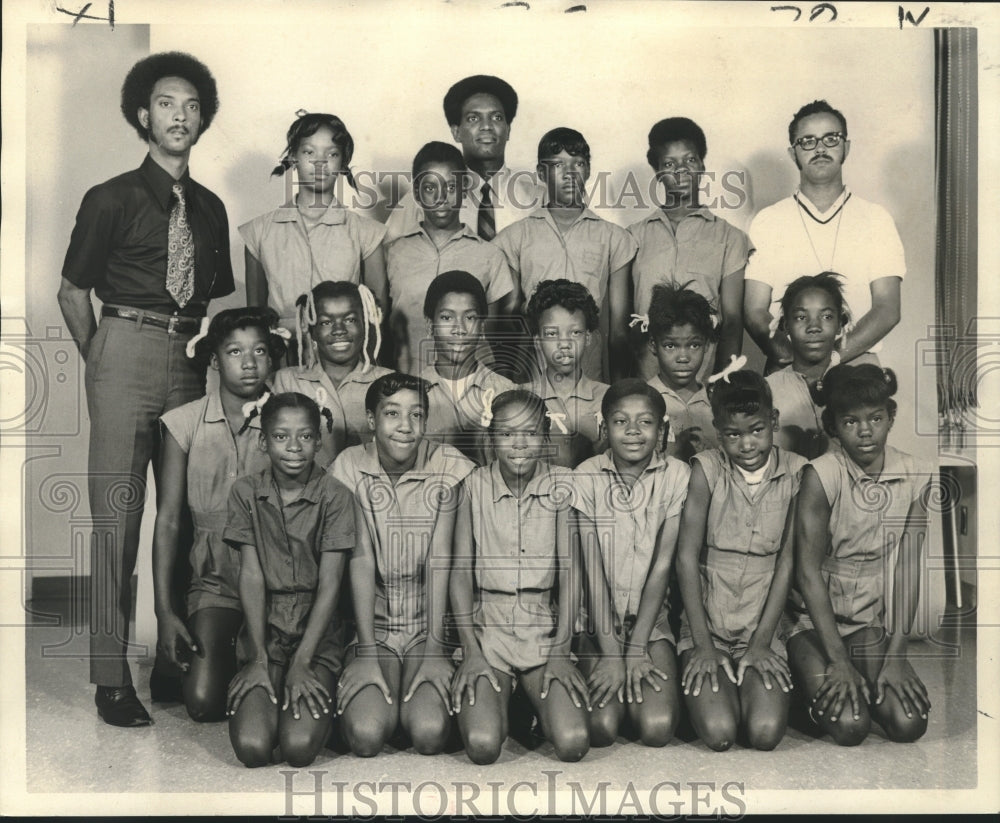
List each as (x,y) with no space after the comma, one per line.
(460,388)
(440,242)
(565,239)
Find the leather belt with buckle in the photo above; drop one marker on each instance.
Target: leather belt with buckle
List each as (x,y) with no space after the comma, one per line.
(172,323)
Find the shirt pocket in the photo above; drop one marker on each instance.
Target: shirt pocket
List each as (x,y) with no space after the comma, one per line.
(703,262)
(591,268)
(768,525)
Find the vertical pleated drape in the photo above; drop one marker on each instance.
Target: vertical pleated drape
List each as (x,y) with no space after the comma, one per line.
(956,169)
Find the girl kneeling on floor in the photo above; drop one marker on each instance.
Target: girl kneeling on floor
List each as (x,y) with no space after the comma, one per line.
(294,527)
(734,565)
(859,534)
(514,586)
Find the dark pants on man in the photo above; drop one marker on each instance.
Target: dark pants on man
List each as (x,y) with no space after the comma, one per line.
(135,373)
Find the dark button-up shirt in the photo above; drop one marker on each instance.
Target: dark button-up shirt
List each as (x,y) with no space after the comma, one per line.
(119,243)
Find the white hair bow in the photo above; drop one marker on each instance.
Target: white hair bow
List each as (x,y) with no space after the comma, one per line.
(487,414)
(640,320)
(735,364)
(202,332)
(252,408)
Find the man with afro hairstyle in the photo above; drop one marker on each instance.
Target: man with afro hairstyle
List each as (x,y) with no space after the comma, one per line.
(153,245)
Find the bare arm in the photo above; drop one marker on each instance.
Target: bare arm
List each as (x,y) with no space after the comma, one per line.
(881,319)
(812,529)
(461,579)
(619,309)
(757,317)
(778,593)
(78,312)
(598,588)
(256,280)
(694,520)
(362,571)
(731,329)
(654,590)
(460,586)
(842,681)
(374,277)
(896,672)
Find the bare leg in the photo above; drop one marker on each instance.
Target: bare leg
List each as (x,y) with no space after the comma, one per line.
(808,664)
(764,711)
(425,716)
(603,723)
(714,715)
(368,720)
(301,740)
(253,730)
(563,723)
(484,725)
(205,685)
(657,716)
(867,649)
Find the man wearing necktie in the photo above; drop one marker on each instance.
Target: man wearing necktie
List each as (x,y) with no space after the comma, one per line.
(153,246)
(480,110)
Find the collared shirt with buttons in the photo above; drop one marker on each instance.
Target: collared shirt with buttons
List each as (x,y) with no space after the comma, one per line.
(118,246)
(459,421)
(414,260)
(295,258)
(574,417)
(629,522)
(703,248)
(693,413)
(587,253)
(346,403)
(216,457)
(867,518)
(401,519)
(739,521)
(515,194)
(290,538)
(742,538)
(515,537)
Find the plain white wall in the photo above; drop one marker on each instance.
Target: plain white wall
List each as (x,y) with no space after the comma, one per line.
(610,76)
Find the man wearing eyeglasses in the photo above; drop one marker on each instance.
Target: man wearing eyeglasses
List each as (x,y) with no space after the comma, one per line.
(823,226)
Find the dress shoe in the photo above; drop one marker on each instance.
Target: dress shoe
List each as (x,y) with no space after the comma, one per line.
(165,688)
(119,706)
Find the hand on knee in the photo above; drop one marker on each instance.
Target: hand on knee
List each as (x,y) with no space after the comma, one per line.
(846,731)
(902,729)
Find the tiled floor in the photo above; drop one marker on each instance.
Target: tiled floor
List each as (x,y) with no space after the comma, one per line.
(70,750)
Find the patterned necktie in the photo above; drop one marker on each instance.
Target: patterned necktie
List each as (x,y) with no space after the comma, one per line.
(180,251)
(486,224)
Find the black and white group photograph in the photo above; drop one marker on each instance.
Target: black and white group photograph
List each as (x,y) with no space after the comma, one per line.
(469,407)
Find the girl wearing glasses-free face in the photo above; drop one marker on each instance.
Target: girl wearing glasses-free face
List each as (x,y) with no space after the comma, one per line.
(822,163)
